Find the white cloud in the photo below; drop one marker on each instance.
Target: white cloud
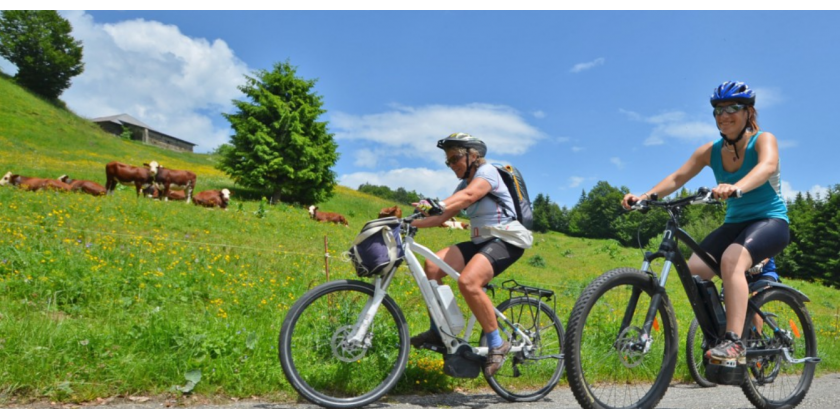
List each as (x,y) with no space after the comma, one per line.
(788,144)
(414,131)
(577,149)
(767,97)
(577,68)
(538,114)
(617,162)
(426,182)
(790,194)
(575,181)
(674,125)
(153,72)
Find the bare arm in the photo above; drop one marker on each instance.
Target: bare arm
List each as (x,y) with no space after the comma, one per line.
(698,160)
(476,190)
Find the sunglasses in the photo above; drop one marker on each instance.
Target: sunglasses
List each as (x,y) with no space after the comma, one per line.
(729,109)
(452,160)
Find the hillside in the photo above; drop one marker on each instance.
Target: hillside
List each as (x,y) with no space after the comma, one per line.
(104,296)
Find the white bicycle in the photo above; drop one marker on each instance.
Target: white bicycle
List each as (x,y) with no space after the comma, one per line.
(345,344)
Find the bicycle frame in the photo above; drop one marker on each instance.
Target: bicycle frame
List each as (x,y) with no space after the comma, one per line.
(359,331)
(669,250)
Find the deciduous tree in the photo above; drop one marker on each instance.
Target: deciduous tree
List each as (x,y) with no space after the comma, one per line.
(39,43)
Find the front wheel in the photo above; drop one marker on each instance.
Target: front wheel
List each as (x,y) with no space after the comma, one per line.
(773,381)
(611,362)
(320,362)
(695,350)
(531,374)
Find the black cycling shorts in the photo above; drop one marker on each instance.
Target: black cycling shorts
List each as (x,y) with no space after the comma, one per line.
(763,238)
(501,254)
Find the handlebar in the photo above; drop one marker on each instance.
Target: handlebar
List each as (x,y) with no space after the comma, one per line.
(703,196)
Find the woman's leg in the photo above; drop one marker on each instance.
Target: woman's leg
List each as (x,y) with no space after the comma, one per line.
(477,273)
(735,262)
(450,255)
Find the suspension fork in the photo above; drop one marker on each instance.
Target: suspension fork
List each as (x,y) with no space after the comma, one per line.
(365,319)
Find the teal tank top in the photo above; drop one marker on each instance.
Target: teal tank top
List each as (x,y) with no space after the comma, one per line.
(764,202)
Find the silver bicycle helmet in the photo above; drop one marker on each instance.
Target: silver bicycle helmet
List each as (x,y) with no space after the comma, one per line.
(464,140)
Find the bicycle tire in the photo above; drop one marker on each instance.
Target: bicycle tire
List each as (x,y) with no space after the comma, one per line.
(529,377)
(772,381)
(325,373)
(609,367)
(695,349)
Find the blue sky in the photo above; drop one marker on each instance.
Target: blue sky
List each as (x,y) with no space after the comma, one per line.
(570,97)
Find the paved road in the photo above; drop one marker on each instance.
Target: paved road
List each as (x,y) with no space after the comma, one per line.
(822,394)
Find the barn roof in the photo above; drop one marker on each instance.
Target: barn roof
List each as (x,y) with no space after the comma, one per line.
(123,118)
(128,119)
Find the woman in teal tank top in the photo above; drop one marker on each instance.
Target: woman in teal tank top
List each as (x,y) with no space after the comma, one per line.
(745,162)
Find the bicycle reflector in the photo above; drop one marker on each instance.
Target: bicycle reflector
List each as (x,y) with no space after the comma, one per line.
(795,329)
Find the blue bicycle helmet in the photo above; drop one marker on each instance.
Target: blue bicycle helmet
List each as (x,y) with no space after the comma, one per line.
(733,91)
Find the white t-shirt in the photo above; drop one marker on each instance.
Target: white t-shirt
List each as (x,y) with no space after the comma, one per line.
(486,211)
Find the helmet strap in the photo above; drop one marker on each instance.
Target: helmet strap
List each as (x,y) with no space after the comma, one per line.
(733,143)
(468,168)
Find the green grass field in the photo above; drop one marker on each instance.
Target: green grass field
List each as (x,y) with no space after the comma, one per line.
(118,296)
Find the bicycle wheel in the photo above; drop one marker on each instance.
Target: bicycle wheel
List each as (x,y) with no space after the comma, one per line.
(773,381)
(318,363)
(695,350)
(531,374)
(613,367)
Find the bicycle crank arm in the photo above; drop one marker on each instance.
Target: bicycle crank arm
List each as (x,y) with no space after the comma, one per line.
(802,360)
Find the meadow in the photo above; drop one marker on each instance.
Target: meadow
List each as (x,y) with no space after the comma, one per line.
(125,296)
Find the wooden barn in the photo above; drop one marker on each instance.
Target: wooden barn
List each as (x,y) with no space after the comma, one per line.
(116,124)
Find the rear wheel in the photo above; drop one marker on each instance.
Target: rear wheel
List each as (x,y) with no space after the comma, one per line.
(695,350)
(532,373)
(610,363)
(320,362)
(773,381)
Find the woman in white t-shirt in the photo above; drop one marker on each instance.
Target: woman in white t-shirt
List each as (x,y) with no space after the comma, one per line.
(484,196)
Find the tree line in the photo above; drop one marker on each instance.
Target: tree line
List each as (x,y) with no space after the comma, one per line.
(814,224)
(400,195)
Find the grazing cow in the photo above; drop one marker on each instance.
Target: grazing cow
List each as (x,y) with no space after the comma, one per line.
(88,187)
(454,224)
(126,174)
(167,179)
(153,192)
(213,198)
(33,184)
(322,216)
(395,211)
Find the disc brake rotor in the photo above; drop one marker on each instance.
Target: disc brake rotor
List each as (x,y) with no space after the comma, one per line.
(631,346)
(343,350)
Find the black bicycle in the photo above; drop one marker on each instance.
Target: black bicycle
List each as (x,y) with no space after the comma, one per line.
(622,342)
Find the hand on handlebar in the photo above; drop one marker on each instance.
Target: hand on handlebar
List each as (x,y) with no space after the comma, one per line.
(429,207)
(725,191)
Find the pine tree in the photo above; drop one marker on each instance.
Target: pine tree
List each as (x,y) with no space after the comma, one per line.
(279,145)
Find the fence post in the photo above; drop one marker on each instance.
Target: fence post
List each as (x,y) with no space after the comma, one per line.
(326,258)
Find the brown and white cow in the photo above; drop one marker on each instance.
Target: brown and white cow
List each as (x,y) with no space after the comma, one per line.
(213,198)
(325,216)
(33,184)
(153,192)
(454,224)
(127,175)
(84,186)
(167,179)
(395,211)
